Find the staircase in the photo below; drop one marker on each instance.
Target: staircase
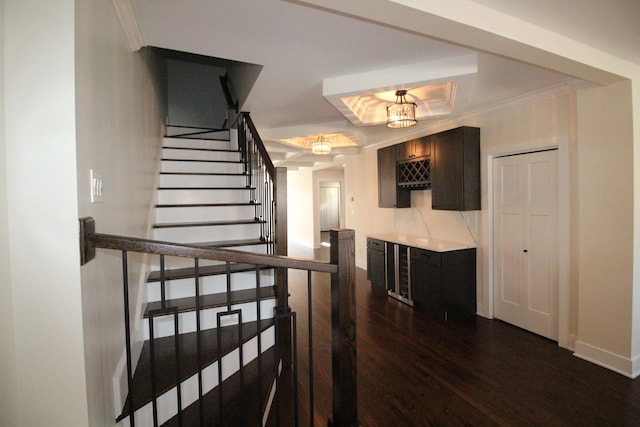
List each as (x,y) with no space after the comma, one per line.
(218,345)
(207,320)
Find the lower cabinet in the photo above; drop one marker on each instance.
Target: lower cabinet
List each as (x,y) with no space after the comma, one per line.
(427,276)
(376,263)
(440,283)
(444,283)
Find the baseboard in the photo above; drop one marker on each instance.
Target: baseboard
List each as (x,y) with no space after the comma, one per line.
(482,311)
(570,343)
(622,365)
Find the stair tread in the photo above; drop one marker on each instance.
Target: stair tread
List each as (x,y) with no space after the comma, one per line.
(208,270)
(165,359)
(197,138)
(206,188)
(202,160)
(222,150)
(253,385)
(207,173)
(208,223)
(205,205)
(232,243)
(213,300)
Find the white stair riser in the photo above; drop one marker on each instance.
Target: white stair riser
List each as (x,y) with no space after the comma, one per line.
(203,196)
(199,143)
(164,325)
(181,166)
(174,153)
(183,288)
(203,181)
(207,234)
(208,213)
(167,402)
(171,263)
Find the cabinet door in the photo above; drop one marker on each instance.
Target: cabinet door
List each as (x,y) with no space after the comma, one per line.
(459,283)
(426,282)
(375,269)
(389,194)
(422,147)
(376,263)
(455,169)
(413,149)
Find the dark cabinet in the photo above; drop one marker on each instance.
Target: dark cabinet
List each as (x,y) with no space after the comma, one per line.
(390,195)
(427,292)
(448,162)
(413,149)
(444,283)
(376,260)
(455,169)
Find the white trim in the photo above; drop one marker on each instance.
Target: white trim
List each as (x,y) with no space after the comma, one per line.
(561,143)
(622,365)
(126,12)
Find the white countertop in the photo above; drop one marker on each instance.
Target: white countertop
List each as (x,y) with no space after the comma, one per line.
(435,245)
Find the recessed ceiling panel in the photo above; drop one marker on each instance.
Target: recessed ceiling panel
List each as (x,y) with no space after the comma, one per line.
(433,86)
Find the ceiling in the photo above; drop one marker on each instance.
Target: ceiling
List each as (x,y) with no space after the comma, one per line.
(312,58)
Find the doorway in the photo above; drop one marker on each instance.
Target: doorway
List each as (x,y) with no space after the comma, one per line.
(329,205)
(525,222)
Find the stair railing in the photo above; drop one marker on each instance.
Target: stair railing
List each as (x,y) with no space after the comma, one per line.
(262,178)
(268,186)
(341,267)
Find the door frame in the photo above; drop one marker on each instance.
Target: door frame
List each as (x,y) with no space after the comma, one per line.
(318,177)
(565,338)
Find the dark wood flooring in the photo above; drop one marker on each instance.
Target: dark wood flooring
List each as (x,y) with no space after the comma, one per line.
(417,371)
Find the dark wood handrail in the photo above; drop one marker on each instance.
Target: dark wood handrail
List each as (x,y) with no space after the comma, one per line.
(91,240)
(258,141)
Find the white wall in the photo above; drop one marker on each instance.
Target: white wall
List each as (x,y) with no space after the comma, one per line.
(71,101)
(41,182)
(606,218)
(8,410)
(118,135)
(300,208)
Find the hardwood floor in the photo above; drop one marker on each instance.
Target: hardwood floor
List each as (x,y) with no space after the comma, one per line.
(417,371)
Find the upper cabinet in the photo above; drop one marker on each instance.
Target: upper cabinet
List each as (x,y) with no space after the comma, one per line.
(455,169)
(390,195)
(448,162)
(413,149)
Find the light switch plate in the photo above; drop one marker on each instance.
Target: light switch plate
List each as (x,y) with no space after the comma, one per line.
(96,187)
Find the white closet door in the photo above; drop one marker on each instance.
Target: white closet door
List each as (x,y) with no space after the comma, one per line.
(525,189)
(329,208)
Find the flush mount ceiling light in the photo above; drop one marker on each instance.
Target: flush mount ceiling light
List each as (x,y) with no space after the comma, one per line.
(321,146)
(401,114)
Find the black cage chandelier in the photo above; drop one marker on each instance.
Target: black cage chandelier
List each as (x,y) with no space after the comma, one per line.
(401,114)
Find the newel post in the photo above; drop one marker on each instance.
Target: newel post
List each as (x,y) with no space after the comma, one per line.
(343,329)
(283,310)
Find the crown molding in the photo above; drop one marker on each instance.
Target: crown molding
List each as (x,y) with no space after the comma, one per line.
(126,11)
